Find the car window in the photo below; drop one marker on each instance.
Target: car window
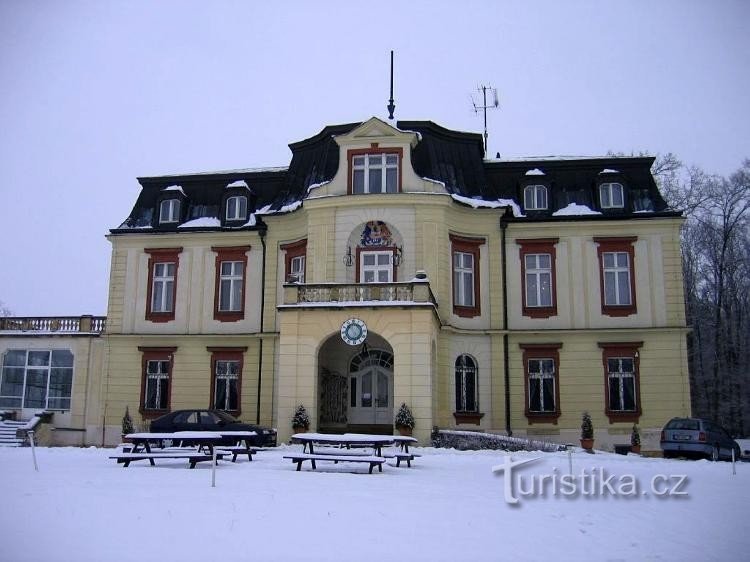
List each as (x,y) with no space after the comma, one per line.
(209,418)
(692,425)
(184,417)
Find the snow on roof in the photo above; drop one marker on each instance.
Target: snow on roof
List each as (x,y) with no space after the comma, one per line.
(608,171)
(285,209)
(434,181)
(174,188)
(317,185)
(476,202)
(535,172)
(238,183)
(134,227)
(575,209)
(238,171)
(553,157)
(201,222)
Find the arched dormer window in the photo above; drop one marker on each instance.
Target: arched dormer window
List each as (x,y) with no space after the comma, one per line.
(611,195)
(236,208)
(169,211)
(535,197)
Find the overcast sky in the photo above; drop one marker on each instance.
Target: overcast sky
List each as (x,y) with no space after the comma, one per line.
(94,94)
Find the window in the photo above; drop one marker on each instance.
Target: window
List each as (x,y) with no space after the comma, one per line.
(539,292)
(466,384)
(535,197)
(236,208)
(621,380)
(375,170)
(616,269)
(163,264)
(169,211)
(611,196)
(36,379)
(294,261)
(375,266)
(541,381)
(229,294)
(226,377)
(465,260)
(156,382)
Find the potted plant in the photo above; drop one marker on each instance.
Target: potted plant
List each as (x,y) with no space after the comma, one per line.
(404,420)
(300,420)
(635,440)
(127,424)
(587,432)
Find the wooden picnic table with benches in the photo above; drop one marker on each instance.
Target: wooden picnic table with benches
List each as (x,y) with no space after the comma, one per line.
(338,448)
(141,447)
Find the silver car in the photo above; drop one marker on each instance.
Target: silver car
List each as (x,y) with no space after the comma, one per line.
(695,437)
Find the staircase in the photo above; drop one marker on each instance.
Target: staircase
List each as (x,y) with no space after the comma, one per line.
(8,431)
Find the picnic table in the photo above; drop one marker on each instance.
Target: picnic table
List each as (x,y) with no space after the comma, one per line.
(241,445)
(141,447)
(338,448)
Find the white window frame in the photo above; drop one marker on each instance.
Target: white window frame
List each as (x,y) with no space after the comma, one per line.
(462,276)
(614,274)
(232,278)
(172,208)
(48,368)
(466,366)
(362,163)
(239,202)
(155,378)
(297,269)
(541,375)
(225,379)
(532,194)
(377,268)
(618,377)
(538,273)
(167,284)
(607,193)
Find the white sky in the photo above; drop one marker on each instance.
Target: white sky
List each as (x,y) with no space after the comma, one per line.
(94,94)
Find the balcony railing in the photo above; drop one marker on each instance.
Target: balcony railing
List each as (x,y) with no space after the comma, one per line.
(415,292)
(58,324)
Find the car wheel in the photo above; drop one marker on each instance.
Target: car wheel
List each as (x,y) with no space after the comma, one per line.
(715,454)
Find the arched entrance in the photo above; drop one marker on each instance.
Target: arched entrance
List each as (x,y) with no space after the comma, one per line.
(355,386)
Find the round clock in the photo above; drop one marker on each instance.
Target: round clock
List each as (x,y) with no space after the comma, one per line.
(353,331)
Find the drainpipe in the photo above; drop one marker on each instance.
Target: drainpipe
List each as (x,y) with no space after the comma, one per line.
(506,366)
(262,231)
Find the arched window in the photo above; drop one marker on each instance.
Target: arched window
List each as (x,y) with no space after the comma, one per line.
(611,196)
(466,384)
(236,208)
(169,211)
(535,197)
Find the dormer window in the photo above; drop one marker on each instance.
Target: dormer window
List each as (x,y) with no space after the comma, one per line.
(375,173)
(236,208)
(535,197)
(611,196)
(169,211)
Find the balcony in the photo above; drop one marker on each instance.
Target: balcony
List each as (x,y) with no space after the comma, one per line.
(414,293)
(54,324)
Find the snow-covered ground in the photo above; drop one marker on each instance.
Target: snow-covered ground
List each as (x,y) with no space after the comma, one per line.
(450,505)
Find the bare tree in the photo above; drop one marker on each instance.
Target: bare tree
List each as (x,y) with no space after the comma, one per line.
(4,310)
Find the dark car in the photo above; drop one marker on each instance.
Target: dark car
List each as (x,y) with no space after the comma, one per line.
(695,437)
(212,420)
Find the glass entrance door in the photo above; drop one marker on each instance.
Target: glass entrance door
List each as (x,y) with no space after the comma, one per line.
(371,396)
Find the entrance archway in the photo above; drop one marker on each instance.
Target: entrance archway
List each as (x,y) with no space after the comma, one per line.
(355,386)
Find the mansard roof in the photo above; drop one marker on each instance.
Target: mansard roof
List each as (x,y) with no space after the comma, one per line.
(454,158)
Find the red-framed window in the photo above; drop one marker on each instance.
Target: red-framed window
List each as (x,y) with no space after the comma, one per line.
(538,277)
(231,276)
(617,275)
(374,170)
(156,380)
(541,364)
(295,261)
(163,264)
(465,270)
(226,378)
(622,384)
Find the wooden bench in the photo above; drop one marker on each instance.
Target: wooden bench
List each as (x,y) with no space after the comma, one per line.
(237,450)
(193,457)
(299,458)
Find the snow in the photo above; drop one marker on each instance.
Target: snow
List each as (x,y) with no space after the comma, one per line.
(285,209)
(476,202)
(177,188)
(238,183)
(201,222)
(609,171)
(317,185)
(535,172)
(449,505)
(575,209)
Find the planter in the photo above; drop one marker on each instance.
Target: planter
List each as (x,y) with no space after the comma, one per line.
(404,430)
(635,449)
(299,429)
(587,444)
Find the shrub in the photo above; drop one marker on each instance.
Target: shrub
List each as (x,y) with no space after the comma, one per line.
(127,423)
(635,436)
(404,417)
(300,418)
(587,428)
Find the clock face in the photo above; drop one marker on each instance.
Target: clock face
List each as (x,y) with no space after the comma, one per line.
(354,331)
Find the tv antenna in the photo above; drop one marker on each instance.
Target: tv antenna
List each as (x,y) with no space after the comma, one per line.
(391,105)
(484,107)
